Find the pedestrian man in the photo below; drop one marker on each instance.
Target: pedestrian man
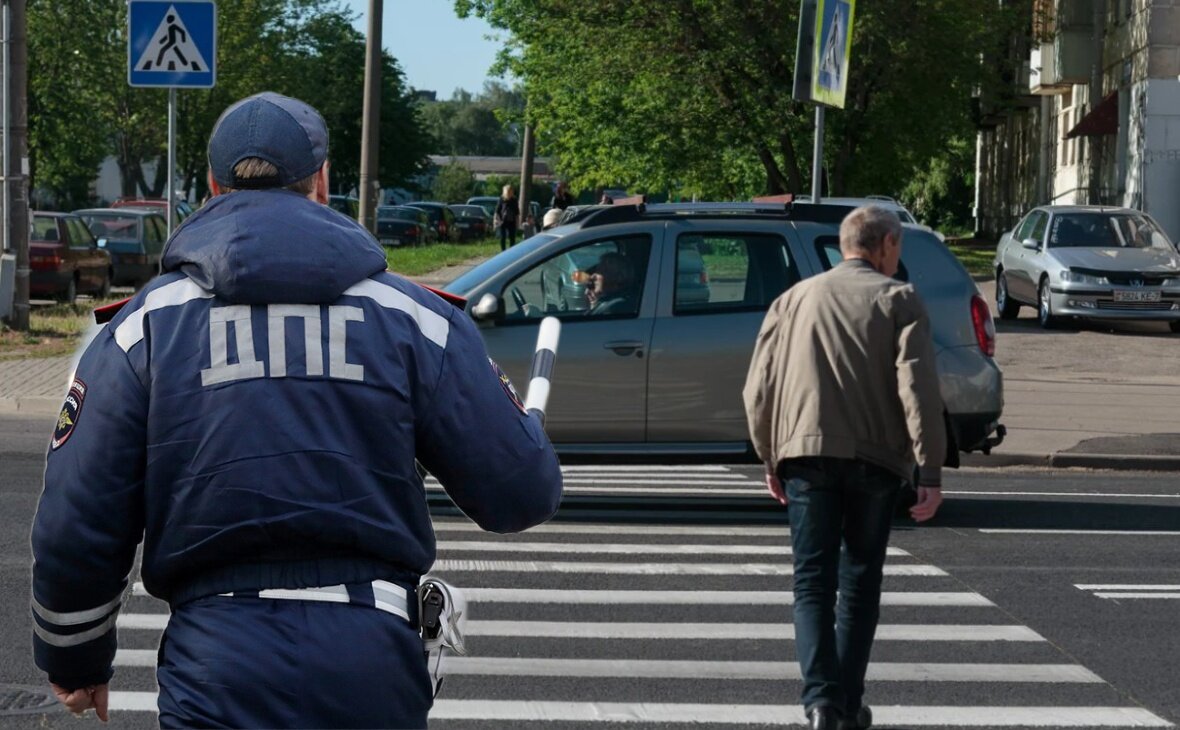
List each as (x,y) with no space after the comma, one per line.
(841,398)
(254,416)
(562,198)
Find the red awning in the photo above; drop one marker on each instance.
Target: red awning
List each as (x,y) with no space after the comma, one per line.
(1102,119)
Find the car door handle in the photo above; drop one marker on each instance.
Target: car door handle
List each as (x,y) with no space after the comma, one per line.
(625,347)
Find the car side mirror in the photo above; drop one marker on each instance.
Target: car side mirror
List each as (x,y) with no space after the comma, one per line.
(102,243)
(487,308)
(1031,244)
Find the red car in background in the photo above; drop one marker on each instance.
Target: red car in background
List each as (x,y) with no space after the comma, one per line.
(65,259)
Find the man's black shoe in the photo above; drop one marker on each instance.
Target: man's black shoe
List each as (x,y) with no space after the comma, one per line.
(824,717)
(862,720)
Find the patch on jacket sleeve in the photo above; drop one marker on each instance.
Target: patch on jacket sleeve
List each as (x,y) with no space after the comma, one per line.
(506,384)
(70,411)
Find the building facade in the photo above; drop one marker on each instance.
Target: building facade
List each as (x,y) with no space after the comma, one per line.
(1091,114)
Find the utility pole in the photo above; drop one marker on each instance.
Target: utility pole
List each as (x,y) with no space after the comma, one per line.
(371,124)
(526,171)
(1094,142)
(17,204)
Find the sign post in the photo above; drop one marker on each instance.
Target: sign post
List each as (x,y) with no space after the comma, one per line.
(172,44)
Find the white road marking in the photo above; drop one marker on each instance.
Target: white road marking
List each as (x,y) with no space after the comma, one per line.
(582,528)
(685,631)
(785,715)
(1061,494)
(661,485)
(509,546)
(1166,596)
(701,598)
(623,568)
(1136,533)
(695,669)
(1125,587)
(735,631)
(688,470)
(788,715)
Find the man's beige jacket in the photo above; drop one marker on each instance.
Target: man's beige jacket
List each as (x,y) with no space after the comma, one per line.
(844,367)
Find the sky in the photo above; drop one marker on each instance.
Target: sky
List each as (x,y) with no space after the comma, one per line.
(437,50)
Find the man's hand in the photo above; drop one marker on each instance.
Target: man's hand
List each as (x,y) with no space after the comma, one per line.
(929,499)
(775,486)
(84,699)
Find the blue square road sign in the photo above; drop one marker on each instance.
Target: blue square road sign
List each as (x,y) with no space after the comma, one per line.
(172,43)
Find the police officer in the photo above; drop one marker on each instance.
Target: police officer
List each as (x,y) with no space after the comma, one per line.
(254,416)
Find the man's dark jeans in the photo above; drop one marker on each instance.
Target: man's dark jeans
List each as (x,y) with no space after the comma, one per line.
(836,503)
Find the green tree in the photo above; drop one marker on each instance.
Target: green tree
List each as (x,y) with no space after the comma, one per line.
(695,96)
(453,184)
(488,124)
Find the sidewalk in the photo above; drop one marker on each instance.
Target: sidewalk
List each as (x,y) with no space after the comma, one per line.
(1059,419)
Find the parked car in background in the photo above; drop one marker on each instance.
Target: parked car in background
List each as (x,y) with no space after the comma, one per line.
(441,218)
(181,209)
(487,202)
(472,222)
(134,237)
(400,225)
(1089,262)
(345,204)
(65,259)
(664,378)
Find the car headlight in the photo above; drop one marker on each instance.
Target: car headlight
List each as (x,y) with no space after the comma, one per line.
(1074,277)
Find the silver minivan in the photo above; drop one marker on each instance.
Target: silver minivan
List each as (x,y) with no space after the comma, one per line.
(663,377)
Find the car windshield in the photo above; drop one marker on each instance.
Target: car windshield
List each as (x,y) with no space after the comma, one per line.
(395,214)
(489,268)
(1106,230)
(113,227)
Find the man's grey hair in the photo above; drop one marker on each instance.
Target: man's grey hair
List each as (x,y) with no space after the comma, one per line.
(865,229)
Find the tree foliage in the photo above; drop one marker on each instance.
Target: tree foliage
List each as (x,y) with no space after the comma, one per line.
(81,108)
(695,96)
(488,124)
(453,184)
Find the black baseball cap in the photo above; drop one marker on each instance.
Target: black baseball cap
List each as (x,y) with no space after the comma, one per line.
(285,132)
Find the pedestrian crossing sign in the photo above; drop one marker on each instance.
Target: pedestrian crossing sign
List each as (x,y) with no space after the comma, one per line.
(172,43)
(833,41)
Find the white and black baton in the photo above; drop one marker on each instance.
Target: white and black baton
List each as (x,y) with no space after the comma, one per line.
(542,369)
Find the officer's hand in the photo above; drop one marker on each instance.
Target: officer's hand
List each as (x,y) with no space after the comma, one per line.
(83,699)
(774,485)
(929,499)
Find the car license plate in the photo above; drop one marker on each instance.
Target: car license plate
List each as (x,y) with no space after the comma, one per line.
(464,225)
(1136,296)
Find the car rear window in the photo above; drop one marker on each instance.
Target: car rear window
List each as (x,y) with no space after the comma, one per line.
(45,229)
(925,261)
(113,227)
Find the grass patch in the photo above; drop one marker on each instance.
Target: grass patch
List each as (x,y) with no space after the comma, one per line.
(54,330)
(423,260)
(977,259)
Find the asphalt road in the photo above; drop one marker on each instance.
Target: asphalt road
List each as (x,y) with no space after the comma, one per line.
(1037,598)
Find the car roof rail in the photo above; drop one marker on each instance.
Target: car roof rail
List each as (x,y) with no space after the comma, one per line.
(615,214)
(803,212)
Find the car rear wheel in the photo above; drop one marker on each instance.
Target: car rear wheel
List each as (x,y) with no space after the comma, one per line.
(1008,307)
(1174,325)
(70,295)
(1045,307)
(104,291)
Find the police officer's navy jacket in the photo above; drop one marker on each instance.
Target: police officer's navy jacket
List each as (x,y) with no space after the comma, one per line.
(254,414)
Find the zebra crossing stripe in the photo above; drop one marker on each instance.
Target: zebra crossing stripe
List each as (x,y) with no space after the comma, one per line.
(786,715)
(691,598)
(693,669)
(581,528)
(1125,590)
(657,490)
(510,546)
(736,631)
(684,631)
(686,471)
(744,569)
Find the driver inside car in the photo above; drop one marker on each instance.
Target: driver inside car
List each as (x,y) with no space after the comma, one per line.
(611,287)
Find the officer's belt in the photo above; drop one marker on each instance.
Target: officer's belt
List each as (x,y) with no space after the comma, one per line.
(379,594)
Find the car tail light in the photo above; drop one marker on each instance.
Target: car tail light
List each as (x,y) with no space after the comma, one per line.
(412,231)
(704,278)
(45,263)
(985,327)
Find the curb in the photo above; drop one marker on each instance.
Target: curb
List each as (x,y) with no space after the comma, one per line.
(31,406)
(1066,460)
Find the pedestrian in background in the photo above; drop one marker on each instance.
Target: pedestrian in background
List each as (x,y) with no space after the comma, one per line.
(255,415)
(529,228)
(841,399)
(562,198)
(507,214)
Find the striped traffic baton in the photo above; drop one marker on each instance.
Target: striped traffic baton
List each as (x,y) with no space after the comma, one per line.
(542,369)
